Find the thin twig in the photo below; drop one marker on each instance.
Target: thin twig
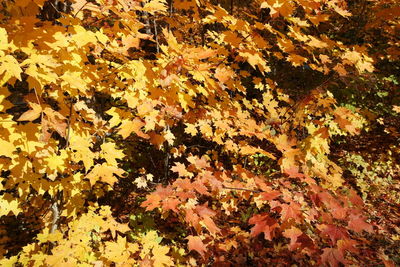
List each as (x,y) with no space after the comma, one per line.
(152,161)
(156,35)
(242,189)
(166,170)
(55,8)
(80,9)
(69,124)
(171,8)
(56,216)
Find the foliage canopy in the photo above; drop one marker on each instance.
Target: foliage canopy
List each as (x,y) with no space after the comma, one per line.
(195,132)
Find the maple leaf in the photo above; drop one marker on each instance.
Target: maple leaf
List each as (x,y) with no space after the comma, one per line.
(358,224)
(289,211)
(117,251)
(141,182)
(191,217)
(104,173)
(184,184)
(80,144)
(3,39)
(55,163)
(160,256)
(263,224)
(332,257)
(255,60)
(334,232)
(107,222)
(200,188)
(296,60)
(195,243)
(342,117)
(292,233)
(210,225)
(10,68)
(127,127)
(337,210)
(293,172)
(347,245)
(271,195)
(154,6)
(223,74)
(180,168)
(31,114)
(200,163)
(55,120)
(314,42)
(171,204)
(110,153)
(152,201)
(7,148)
(9,205)
(191,129)
(170,137)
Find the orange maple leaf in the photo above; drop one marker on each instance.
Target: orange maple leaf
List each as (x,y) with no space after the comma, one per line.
(292,233)
(180,168)
(195,243)
(31,114)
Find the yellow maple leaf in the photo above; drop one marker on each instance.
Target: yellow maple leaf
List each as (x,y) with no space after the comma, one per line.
(3,39)
(169,136)
(46,236)
(191,129)
(8,205)
(314,42)
(55,162)
(154,6)
(104,173)
(255,60)
(7,148)
(82,36)
(9,66)
(117,251)
(160,256)
(110,153)
(80,144)
(127,127)
(149,240)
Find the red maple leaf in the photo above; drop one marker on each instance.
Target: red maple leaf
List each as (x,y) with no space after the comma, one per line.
(290,211)
(332,257)
(334,232)
(270,195)
(263,224)
(358,224)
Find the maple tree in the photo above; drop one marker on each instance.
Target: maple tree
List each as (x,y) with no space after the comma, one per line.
(194,132)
